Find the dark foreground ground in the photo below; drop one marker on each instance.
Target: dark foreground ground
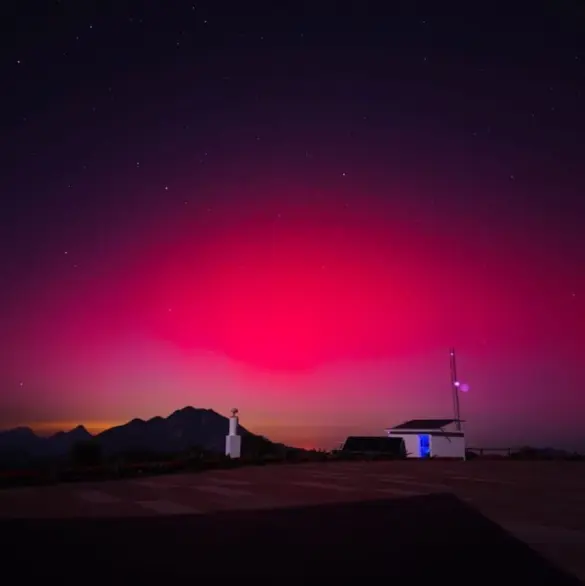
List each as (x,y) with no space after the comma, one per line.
(467,522)
(412,538)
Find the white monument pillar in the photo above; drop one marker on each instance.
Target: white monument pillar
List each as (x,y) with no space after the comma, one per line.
(233,441)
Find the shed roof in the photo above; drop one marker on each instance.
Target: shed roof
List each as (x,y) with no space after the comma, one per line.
(424,424)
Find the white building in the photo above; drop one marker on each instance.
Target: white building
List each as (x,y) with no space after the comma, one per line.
(429,438)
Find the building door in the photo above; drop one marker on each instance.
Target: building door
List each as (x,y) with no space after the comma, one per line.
(424,446)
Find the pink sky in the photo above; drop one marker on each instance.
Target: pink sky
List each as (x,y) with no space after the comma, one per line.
(317,313)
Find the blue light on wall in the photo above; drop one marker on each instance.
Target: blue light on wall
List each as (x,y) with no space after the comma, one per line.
(424,446)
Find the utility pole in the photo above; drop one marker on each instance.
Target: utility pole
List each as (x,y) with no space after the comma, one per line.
(455,389)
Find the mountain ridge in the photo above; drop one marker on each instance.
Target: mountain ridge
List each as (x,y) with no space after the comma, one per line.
(183,429)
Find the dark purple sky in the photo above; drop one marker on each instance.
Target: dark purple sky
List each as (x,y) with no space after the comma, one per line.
(295,209)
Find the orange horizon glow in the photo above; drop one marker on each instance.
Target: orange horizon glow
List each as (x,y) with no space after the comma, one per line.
(303,437)
(46,428)
(51,427)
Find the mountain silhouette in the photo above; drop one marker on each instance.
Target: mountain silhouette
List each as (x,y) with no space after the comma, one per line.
(182,430)
(62,442)
(22,443)
(20,440)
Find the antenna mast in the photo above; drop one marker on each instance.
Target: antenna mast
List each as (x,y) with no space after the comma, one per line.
(455,389)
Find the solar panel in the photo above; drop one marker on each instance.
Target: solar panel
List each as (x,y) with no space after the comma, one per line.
(424,424)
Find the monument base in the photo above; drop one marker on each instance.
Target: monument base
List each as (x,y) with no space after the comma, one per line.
(233,446)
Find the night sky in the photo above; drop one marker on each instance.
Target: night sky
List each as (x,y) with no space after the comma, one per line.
(294,209)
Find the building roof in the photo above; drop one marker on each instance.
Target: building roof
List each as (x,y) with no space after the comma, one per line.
(424,424)
(431,432)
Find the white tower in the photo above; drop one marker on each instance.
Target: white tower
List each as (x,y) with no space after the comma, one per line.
(233,442)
